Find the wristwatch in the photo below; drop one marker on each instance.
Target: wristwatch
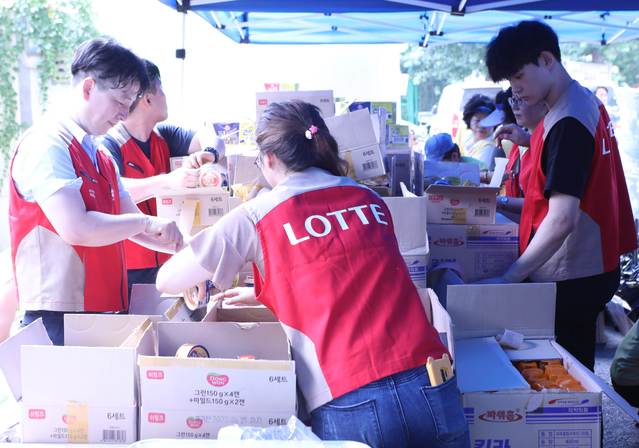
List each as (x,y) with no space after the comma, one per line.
(213,151)
(502,202)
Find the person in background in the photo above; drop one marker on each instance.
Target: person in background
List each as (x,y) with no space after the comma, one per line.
(141,149)
(68,210)
(624,369)
(359,336)
(576,219)
(441,148)
(518,169)
(479,144)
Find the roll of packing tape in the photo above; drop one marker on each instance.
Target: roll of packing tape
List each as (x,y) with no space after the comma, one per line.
(197,297)
(191,351)
(209,176)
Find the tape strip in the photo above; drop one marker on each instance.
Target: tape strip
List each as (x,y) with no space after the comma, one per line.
(77,420)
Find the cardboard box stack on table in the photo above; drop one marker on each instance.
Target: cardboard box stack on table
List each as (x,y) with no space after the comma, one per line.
(466,234)
(501,405)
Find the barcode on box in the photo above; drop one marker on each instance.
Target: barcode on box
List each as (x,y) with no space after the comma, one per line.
(482,212)
(216,211)
(114,435)
(372,165)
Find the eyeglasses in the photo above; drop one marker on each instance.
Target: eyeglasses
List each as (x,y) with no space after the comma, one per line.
(258,160)
(515,102)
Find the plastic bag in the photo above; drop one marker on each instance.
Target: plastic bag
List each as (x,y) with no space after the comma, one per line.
(293,430)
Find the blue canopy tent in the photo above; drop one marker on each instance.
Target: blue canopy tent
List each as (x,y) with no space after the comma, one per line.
(433,22)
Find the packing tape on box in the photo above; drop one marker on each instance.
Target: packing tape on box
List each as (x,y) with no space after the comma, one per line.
(191,351)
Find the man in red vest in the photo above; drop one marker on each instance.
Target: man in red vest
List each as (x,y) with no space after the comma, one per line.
(141,148)
(576,219)
(68,210)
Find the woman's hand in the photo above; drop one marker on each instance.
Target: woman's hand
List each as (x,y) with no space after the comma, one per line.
(237,296)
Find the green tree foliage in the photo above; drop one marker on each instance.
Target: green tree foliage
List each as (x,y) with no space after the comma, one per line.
(49,28)
(432,68)
(622,55)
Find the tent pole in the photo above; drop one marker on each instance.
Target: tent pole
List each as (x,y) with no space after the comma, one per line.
(182,80)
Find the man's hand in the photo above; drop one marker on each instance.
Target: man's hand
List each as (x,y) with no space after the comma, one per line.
(197,159)
(183,177)
(164,231)
(513,133)
(237,296)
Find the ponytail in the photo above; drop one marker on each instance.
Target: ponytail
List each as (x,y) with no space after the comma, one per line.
(284,130)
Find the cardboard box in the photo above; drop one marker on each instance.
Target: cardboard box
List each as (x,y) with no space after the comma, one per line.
(357,144)
(501,409)
(85,393)
(476,251)
(229,132)
(193,208)
(417,262)
(194,397)
(409,220)
(323,99)
(397,136)
(176,162)
(461,205)
(223,312)
(374,106)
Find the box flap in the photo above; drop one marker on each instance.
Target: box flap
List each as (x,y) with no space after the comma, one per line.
(353,130)
(409,220)
(435,170)
(442,323)
(533,349)
(184,191)
(99,330)
(225,339)
(224,312)
(323,99)
(148,301)
(482,366)
(93,375)
(528,308)
(32,334)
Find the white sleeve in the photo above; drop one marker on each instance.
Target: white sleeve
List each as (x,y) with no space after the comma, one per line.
(43,166)
(226,247)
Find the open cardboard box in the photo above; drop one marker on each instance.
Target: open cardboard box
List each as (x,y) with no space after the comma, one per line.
(498,403)
(193,208)
(461,205)
(194,397)
(85,391)
(357,144)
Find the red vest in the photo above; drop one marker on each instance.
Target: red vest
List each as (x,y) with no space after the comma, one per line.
(334,277)
(605,204)
(138,166)
(105,279)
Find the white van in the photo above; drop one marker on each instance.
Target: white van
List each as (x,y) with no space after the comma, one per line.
(448,117)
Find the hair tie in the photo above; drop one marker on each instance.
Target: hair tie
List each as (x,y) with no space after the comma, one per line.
(310,132)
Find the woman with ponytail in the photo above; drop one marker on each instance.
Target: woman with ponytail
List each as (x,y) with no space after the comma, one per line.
(327,263)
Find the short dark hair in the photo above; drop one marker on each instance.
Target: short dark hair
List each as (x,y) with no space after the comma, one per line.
(282,130)
(153,74)
(109,63)
(453,150)
(501,101)
(518,45)
(477,104)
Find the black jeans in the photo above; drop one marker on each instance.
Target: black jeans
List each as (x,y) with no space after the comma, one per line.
(630,393)
(579,301)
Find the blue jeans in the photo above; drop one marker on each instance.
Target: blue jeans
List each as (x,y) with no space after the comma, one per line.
(53,322)
(401,410)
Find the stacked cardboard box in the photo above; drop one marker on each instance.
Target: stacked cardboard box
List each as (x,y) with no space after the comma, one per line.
(467,235)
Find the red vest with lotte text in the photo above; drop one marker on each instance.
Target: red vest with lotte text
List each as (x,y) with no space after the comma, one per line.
(105,279)
(606,227)
(335,279)
(138,166)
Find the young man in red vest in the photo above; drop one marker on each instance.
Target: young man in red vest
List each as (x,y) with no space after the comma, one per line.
(576,219)
(68,210)
(141,149)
